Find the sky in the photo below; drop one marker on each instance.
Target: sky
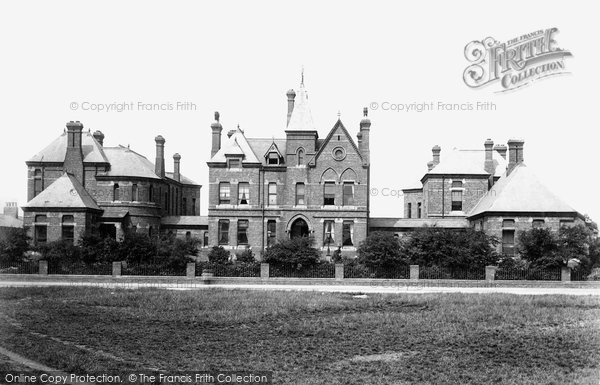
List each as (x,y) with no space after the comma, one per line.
(61,58)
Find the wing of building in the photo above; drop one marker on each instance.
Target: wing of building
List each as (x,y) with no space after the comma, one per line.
(263,190)
(77,184)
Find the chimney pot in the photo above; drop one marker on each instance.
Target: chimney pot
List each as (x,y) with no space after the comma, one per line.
(99,136)
(291,95)
(515,153)
(176,167)
(436,154)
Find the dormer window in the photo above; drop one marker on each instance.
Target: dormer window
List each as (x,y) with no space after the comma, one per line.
(235,163)
(273,158)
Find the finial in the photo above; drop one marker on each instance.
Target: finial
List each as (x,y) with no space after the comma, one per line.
(302,80)
(339,114)
(365,111)
(217,115)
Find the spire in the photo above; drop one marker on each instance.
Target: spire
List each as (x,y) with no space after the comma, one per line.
(301,117)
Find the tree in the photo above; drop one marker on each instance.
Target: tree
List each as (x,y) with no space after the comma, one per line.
(449,248)
(381,251)
(218,255)
(540,247)
(13,245)
(246,256)
(296,252)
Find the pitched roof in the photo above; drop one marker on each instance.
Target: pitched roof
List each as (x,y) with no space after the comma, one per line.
(469,162)
(128,163)
(261,146)
(405,223)
(55,151)
(10,221)
(236,144)
(184,220)
(337,125)
(301,118)
(182,179)
(65,192)
(520,191)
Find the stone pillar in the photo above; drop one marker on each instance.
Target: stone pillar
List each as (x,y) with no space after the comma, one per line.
(43,268)
(490,273)
(414,271)
(264,270)
(339,271)
(116,269)
(565,274)
(190,270)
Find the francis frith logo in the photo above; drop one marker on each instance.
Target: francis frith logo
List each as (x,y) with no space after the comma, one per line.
(515,63)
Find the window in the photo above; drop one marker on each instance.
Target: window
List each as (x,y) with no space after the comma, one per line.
(457,184)
(537,223)
(329,193)
(37,182)
(508,242)
(193,206)
(234,163)
(508,223)
(273,158)
(223,232)
(151,193)
(271,232)
(348,194)
(242,232)
(68,229)
(116,192)
(409,210)
(300,157)
(457,200)
(41,233)
(205,240)
(272,194)
(41,218)
(188,236)
(244,193)
(300,201)
(328,233)
(183,206)
(166,206)
(224,193)
(176,202)
(134,192)
(419,210)
(348,233)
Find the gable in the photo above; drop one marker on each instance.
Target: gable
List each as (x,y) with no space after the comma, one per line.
(338,137)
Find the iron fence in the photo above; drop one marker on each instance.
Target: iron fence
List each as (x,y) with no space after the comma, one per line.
(361,271)
(28,267)
(324,270)
(79,268)
(448,273)
(236,269)
(529,274)
(152,270)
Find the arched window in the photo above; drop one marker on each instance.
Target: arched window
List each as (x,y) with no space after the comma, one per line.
(116,192)
(300,156)
(150,193)
(134,192)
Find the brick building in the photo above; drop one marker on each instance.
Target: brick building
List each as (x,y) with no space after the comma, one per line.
(76,184)
(484,190)
(264,190)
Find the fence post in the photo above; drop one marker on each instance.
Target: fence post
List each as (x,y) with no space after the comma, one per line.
(565,274)
(490,273)
(116,269)
(414,271)
(43,268)
(339,271)
(190,270)
(264,270)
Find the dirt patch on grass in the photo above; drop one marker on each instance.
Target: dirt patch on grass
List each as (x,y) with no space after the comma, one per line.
(383,357)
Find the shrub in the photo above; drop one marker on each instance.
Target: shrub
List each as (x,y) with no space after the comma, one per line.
(218,255)
(297,252)
(540,247)
(246,256)
(449,248)
(380,251)
(13,245)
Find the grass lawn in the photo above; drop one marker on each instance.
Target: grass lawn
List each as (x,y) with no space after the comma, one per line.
(309,338)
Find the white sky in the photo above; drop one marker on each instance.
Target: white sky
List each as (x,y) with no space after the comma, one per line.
(241,57)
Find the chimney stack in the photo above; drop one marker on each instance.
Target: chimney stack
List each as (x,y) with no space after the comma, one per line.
(159,165)
(488,164)
(11,210)
(429,166)
(501,150)
(436,154)
(365,128)
(176,164)
(216,135)
(515,153)
(73,163)
(99,136)
(291,95)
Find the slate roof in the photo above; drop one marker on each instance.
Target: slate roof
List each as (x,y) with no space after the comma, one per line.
(10,221)
(128,163)
(55,151)
(405,223)
(236,144)
(468,162)
(66,192)
(183,179)
(520,191)
(301,118)
(260,146)
(114,212)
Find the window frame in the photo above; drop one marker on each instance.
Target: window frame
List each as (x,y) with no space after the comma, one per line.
(271,232)
(223,232)
(223,201)
(242,231)
(116,192)
(347,233)
(300,197)
(246,187)
(328,232)
(272,195)
(329,197)
(348,200)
